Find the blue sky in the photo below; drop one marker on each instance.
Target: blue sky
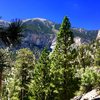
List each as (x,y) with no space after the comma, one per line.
(82,13)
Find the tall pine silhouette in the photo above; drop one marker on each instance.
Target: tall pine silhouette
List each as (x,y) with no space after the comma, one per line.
(63,63)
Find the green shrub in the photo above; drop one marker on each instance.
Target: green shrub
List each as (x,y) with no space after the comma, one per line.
(90,79)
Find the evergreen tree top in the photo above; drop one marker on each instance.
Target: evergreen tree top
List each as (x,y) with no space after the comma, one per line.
(66,23)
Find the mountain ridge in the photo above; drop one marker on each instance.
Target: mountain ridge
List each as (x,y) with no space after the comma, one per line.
(40,32)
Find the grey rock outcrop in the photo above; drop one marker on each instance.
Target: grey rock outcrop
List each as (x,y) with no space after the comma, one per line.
(92,95)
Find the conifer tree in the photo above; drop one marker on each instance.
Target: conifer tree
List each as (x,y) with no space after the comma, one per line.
(4,64)
(39,87)
(63,81)
(25,62)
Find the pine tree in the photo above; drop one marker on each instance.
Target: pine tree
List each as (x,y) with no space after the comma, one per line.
(63,82)
(25,62)
(4,64)
(39,87)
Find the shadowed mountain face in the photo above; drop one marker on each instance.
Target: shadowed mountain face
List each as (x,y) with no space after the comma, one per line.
(41,32)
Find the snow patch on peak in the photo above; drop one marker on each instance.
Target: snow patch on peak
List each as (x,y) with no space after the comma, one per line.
(33,19)
(41,19)
(25,20)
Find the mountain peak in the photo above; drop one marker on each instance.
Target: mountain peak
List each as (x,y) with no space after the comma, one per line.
(33,19)
(41,19)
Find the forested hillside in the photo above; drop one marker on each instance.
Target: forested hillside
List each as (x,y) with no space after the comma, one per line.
(67,71)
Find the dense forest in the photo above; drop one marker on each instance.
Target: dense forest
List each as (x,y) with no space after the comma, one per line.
(67,71)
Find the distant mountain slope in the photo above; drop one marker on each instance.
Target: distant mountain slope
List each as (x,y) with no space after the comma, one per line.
(85,35)
(41,32)
(3,23)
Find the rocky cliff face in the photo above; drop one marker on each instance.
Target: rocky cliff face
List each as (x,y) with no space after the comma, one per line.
(85,35)
(41,32)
